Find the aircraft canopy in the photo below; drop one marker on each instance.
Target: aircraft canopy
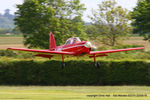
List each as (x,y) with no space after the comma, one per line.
(73,40)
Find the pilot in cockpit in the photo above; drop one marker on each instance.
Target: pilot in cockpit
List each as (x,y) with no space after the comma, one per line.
(73,40)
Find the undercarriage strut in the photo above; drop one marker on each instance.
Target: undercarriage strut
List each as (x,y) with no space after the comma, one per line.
(63,63)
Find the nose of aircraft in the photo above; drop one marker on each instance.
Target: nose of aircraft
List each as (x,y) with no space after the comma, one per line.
(89,45)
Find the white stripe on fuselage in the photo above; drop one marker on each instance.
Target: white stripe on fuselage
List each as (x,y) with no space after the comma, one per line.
(60,49)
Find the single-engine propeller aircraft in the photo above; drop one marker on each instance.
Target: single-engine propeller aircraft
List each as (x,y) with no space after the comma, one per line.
(73,47)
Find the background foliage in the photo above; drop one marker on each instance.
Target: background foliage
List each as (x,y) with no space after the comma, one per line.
(141,14)
(110,22)
(36,18)
(6,20)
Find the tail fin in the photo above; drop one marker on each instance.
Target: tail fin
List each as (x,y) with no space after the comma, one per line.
(52,43)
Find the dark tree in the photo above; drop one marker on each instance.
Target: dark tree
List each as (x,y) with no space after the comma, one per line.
(36,18)
(141,14)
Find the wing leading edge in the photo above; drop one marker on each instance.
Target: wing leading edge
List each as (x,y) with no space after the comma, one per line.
(112,51)
(43,51)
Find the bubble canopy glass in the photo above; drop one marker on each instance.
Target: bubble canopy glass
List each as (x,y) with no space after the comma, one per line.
(73,40)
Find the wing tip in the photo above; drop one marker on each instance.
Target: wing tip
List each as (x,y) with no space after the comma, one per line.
(9,48)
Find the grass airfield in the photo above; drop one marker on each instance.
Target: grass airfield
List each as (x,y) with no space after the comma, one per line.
(74,93)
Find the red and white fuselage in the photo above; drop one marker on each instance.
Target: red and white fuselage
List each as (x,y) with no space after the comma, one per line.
(74,45)
(79,48)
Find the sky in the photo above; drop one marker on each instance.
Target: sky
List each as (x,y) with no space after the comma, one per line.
(89,4)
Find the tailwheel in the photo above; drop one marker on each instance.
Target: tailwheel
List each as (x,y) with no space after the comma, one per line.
(62,65)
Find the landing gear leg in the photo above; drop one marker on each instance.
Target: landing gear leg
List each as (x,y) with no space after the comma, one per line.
(63,63)
(97,65)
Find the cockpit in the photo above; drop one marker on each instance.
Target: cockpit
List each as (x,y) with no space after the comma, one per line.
(73,40)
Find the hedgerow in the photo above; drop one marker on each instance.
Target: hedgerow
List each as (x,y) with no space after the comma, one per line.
(75,73)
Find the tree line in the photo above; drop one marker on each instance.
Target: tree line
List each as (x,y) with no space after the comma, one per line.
(110,23)
(6,20)
(7,23)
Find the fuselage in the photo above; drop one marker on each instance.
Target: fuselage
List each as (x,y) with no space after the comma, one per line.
(79,48)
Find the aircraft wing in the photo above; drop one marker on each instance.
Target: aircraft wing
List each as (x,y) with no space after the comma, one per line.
(112,51)
(43,51)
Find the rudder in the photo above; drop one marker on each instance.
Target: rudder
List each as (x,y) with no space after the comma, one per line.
(52,44)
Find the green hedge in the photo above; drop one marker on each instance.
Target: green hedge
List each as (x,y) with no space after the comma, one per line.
(75,73)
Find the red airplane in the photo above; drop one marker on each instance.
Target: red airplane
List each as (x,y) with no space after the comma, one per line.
(73,47)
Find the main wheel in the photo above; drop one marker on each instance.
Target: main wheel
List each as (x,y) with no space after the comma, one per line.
(62,65)
(97,65)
